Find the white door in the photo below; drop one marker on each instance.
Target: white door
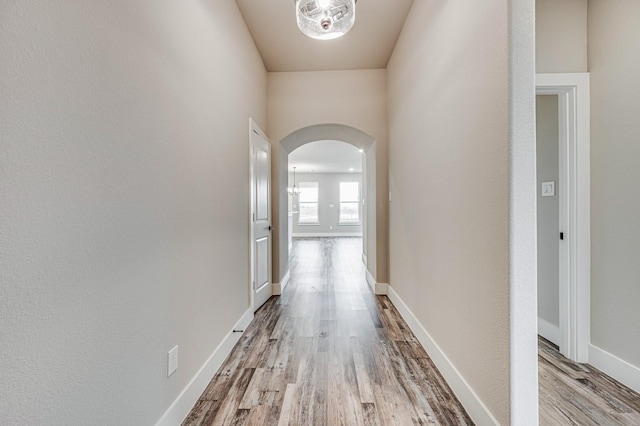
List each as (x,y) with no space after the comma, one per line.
(260,217)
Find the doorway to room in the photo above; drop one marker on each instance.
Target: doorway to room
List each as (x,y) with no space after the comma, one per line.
(550,236)
(366,148)
(563,190)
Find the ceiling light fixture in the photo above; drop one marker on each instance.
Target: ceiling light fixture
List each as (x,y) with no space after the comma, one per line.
(325,19)
(294,190)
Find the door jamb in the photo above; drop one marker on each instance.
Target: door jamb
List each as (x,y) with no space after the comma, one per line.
(575,208)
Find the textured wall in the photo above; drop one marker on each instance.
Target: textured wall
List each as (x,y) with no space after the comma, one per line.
(614,64)
(561,36)
(449,179)
(121,125)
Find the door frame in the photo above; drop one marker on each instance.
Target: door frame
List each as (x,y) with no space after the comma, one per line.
(372,225)
(574,122)
(254,128)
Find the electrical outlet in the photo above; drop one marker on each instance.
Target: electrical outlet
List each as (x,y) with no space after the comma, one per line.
(172,361)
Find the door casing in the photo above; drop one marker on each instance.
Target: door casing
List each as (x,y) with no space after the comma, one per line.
(572,90)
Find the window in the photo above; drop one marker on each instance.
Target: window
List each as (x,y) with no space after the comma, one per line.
(349,203)
(308,203)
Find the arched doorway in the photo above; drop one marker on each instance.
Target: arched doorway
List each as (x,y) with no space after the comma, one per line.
(360,140)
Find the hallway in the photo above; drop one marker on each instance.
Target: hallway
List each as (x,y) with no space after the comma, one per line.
(328,352)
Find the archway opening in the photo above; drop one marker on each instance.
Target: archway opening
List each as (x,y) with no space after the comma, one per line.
(335,132)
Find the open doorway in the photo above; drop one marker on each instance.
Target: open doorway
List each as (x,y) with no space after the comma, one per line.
(550,237)
(372,231)
(563,157)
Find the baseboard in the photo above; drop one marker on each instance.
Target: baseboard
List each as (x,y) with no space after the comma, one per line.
(381,289)
(181,407)
(619,369)
(371,281)
(278,288)
(376,287)
(326,234)
(469,399)
(549,331)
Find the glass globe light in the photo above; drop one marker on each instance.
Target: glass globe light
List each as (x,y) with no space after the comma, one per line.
(325,19)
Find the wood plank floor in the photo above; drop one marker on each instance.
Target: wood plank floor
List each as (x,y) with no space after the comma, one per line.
(328,352)
(579,394)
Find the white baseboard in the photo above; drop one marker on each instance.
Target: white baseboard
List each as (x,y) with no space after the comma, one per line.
(371,281)
(181,407)
(549,331)
(376,287)
(326,234)
(381,289)
(278,288)
(469,399)
(619,369)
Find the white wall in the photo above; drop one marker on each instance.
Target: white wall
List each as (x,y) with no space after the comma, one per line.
(329,194)
(561,36)
(614,40)
(547,152)
(449,179)
(122,124)
(352,98)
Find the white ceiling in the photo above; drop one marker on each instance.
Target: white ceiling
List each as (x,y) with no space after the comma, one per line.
(326,157)
(283,47)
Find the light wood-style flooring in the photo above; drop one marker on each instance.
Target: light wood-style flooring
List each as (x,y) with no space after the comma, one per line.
(328,352)
(578,394)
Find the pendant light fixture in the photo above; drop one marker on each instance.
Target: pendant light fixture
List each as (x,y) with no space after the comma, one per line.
(325,19)
(294,190)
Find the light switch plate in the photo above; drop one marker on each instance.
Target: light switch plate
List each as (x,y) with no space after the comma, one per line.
(172,361)
(548,189)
